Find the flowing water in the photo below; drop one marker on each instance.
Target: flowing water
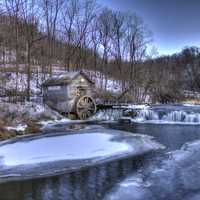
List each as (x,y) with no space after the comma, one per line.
(88,184)
(172,126)
(169,114)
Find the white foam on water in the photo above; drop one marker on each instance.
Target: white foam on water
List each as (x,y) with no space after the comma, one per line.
(171,117)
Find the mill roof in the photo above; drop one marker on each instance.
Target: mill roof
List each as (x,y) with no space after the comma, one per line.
(65,78)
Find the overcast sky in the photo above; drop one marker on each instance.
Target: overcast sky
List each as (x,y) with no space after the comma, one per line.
(174,23)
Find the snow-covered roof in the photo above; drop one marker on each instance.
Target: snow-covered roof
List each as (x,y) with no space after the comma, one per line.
(65,78)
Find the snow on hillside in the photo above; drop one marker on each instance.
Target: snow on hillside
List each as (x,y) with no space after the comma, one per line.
(10,79)
(20,113)
(100,81)
(7,56)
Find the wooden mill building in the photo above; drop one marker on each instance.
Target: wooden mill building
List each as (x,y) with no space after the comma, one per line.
(70,93)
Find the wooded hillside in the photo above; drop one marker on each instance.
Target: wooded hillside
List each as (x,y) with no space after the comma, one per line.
(38,38)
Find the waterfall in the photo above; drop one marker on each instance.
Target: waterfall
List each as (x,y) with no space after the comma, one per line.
(195,118)
(166,116)
(146,114)
(182,116)
(152,115)
(175,116)
(108,115)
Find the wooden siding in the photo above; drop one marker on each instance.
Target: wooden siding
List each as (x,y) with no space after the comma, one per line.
(63,98)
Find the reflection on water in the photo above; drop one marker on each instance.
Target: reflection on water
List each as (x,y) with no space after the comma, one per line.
(88,184)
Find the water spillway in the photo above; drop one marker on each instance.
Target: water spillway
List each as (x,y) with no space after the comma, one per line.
(108,115)
(163,114)
(168,115)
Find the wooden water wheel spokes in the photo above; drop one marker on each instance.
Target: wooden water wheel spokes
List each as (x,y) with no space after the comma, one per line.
(85,107)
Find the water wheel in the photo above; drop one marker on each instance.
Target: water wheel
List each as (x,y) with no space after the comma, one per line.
(85,107)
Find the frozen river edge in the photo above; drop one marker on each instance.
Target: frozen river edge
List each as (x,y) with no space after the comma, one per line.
(94,148)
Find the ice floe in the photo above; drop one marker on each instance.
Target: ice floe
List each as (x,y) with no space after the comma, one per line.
(75,146)
(36,154)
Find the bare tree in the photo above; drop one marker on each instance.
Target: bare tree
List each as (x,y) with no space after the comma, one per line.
(13,10)
(51,10)
(105,31)
(95,38)
(70,14)
(30,17)
(137,39)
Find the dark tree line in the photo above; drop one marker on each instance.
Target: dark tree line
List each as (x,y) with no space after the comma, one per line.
(169,76)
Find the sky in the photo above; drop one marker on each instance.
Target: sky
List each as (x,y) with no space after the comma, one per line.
(175,24)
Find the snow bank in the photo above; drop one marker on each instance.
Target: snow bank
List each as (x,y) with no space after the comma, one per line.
(137,106)
(20,113)
(189,105)
(53,153)
(29,117)
(46,123)
(18,128)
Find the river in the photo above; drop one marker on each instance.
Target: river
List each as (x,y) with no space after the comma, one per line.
(171,126)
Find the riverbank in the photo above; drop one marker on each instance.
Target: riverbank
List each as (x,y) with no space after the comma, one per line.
(24,118)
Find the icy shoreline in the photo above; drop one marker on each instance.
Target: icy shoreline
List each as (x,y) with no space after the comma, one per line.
(47,155)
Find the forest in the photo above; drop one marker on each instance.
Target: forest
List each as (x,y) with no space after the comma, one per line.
(40,38)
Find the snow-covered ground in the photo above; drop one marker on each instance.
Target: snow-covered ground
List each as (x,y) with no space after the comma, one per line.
(100,81)
(72,151)
(64,120)
(18,115)
(137,106)
(10,79)
(18,128)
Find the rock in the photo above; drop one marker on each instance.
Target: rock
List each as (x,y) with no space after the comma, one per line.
(125,120)
(130,113)
(32,127)
(7,135)
(4,133)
